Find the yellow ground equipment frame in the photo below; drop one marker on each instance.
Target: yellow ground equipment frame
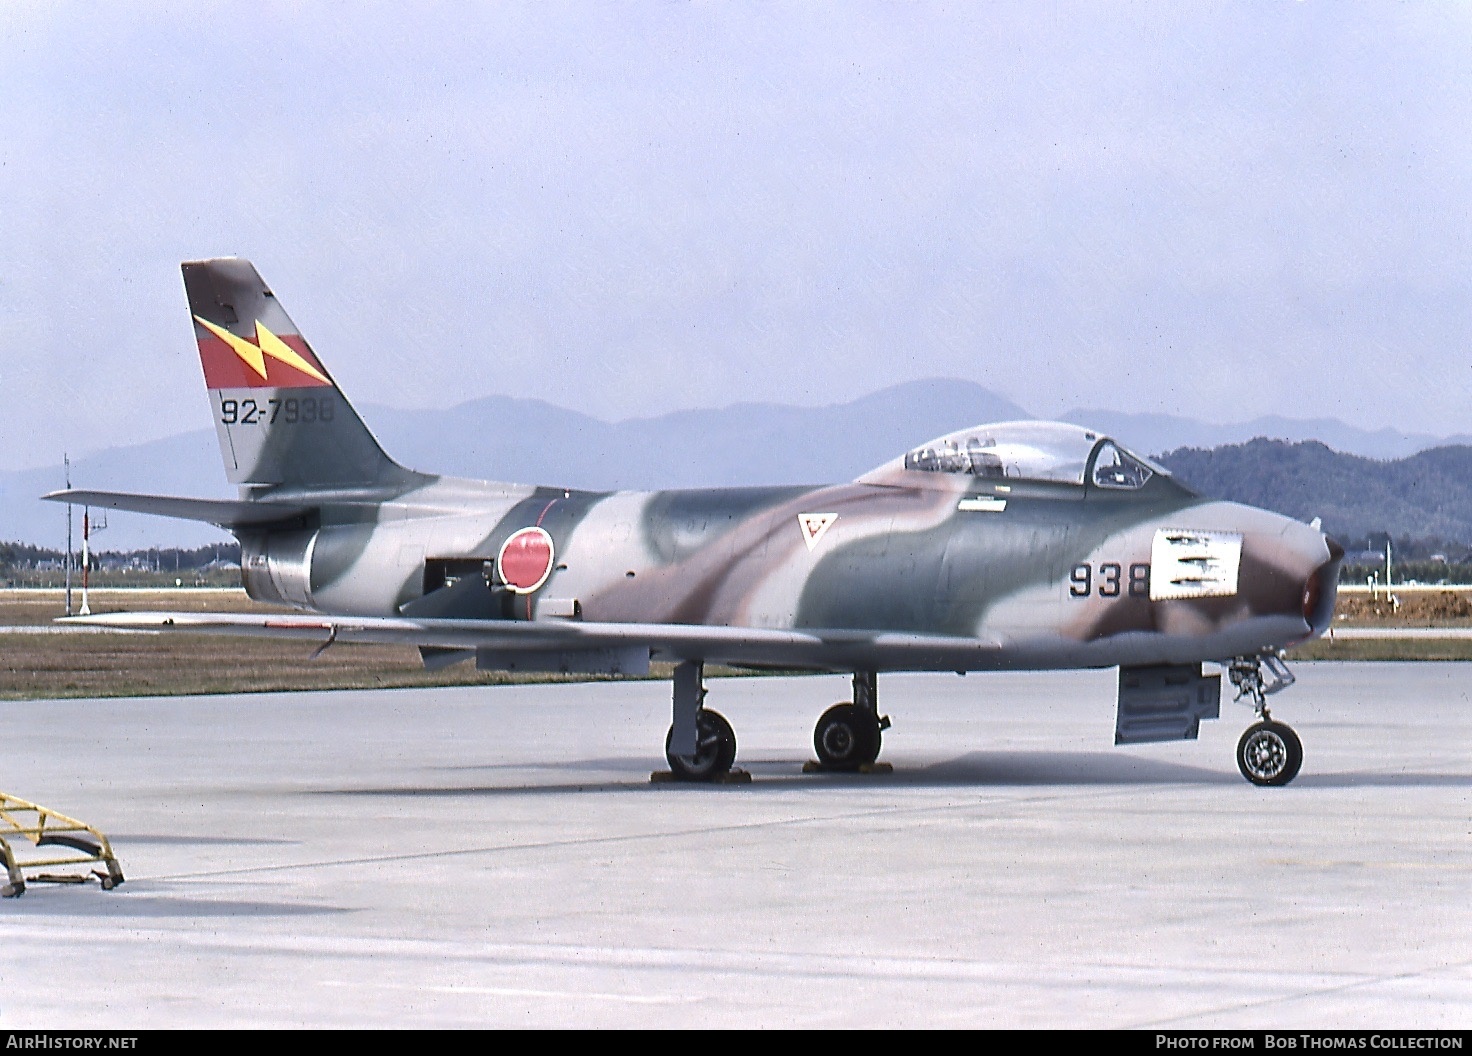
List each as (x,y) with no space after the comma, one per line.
(23,823)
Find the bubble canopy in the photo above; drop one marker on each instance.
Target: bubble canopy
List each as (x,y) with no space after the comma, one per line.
(1054,452)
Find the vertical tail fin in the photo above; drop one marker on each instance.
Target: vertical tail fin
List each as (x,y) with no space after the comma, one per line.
(280,417)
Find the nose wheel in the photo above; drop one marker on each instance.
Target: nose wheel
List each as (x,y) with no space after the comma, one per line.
(1269,753)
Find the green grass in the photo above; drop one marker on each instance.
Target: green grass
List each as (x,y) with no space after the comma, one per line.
(1384,649)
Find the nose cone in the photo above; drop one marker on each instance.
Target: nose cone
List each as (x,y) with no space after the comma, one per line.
(1321,589)
(1290,573)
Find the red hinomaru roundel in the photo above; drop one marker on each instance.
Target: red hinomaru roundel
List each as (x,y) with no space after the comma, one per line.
(525,560)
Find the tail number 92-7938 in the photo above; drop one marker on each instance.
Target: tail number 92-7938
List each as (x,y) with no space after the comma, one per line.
(251,412)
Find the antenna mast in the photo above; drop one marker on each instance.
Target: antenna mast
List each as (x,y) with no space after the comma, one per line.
(66,461)
(86,561)
(88,527)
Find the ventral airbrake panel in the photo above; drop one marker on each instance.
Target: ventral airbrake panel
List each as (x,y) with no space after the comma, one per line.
(1165,703)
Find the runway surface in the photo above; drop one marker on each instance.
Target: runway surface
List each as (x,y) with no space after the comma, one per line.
(498,857)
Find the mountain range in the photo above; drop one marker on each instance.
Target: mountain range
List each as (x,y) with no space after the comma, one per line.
(531,441)
(1426,496)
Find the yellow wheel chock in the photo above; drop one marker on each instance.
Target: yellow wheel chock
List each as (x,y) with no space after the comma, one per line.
(23,823)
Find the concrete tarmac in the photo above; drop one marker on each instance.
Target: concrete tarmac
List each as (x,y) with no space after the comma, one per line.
(497,857)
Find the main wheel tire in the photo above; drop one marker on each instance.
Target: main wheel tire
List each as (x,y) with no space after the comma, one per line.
(715,749)
(846,737)
(1269,753)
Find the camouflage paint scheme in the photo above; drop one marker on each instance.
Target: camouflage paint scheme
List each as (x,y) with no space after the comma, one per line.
(899,559)
(911,569)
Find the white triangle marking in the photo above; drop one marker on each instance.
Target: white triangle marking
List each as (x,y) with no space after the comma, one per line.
(814,525)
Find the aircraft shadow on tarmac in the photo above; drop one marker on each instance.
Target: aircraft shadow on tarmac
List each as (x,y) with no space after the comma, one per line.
(974,769)
(1057,768)
(1000,768)
(623,763)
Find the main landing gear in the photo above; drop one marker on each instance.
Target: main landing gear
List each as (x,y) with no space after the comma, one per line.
(848,735)
(701,746)
(1269,753)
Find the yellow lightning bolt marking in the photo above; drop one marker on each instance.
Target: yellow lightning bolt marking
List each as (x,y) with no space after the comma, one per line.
(243,348)
(276,348)
(268,344)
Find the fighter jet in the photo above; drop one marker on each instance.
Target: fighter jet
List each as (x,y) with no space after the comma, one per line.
(1013,545)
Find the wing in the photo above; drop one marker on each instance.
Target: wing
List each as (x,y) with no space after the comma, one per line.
(572,645)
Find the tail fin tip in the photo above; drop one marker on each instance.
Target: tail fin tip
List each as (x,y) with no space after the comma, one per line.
(280,417)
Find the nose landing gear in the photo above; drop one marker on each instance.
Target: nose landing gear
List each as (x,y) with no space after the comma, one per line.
(1269,752)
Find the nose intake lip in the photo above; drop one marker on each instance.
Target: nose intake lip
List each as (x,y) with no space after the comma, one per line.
(1321,589)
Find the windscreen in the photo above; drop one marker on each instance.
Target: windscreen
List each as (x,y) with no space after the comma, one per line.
(1118,469)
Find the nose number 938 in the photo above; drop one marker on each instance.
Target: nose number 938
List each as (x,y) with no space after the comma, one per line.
(1109,579)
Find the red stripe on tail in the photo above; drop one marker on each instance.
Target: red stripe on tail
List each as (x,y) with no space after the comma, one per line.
(224,369)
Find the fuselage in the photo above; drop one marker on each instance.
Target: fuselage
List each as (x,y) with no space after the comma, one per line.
(1039,573)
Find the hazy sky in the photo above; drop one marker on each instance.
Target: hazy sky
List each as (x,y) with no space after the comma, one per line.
(1218,210)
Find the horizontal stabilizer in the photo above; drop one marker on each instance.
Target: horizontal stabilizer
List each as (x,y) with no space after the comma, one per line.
(819,650)
(227,513)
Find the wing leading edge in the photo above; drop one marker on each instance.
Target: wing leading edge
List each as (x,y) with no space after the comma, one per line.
(822,650)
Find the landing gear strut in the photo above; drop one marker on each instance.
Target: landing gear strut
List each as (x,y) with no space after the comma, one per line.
(701,746)
(848,735)
(715,749)
(1269,753)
